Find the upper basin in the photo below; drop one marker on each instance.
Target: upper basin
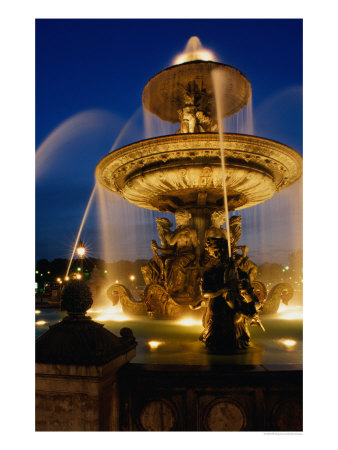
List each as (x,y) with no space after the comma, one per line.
(164,94)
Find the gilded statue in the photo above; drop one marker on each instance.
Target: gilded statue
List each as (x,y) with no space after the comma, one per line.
(242,260)
(185,243)
(230,302)
(240,251)
(195,115)
(154,271)
(179,252)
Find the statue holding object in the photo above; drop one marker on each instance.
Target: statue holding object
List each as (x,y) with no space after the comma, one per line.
(230,302)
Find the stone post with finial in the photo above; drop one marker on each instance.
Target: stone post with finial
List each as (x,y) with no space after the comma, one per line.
(77,361)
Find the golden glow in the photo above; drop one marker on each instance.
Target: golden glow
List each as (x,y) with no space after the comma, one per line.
(132,277)
(154,344)
(288,342)
(78,276)
(289,312)
(116,281)
(67,278)
(201,55)
(81,251)
(113,313)
(37,311)
(189,321)
(40,322)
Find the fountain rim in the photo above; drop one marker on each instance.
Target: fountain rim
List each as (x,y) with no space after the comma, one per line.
(141,158)
(199,61)
(225,134)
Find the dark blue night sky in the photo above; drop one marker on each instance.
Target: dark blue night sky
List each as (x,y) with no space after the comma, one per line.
(100,67)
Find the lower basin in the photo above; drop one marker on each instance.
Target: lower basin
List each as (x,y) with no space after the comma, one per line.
(176,342)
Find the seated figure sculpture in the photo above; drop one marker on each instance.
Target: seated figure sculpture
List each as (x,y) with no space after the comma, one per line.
(230,302)
(185,242)
(178,252)
(153,272)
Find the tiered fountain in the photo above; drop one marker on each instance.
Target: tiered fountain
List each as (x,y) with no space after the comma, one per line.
(183,388)
(182,174)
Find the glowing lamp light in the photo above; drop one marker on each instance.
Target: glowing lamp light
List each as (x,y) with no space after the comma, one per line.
(286,312)
(37,311)
(78,276)
(106,271)
(81,249)
(132,277)
(67,278)
(36,271)
(154,344)
(40,322)
(116,281)
(188,322)
(288,342)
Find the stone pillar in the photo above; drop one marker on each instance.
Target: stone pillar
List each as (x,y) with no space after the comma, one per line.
(77,397)
(77,361)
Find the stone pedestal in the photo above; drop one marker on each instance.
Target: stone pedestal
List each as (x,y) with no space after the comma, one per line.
(77,361)
(78,398)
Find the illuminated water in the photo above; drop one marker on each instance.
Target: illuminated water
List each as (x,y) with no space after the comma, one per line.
(194,50)
(170,342)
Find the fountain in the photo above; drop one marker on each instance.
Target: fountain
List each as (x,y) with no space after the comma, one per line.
(183,174)
(180,386)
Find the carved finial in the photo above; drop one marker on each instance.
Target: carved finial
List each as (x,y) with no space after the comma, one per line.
(76,298)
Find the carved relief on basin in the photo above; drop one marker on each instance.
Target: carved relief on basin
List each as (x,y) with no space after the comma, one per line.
(184,170)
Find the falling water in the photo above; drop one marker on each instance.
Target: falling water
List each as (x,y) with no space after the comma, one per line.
(153,126)
(81,227)
(218,83)
(126,230)
(273,229)
(242,122)
(126,131)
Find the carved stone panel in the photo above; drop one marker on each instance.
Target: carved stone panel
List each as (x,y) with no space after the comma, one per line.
(158,415)
(224,415)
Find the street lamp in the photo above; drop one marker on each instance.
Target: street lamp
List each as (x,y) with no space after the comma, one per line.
(81,250)
(132,279)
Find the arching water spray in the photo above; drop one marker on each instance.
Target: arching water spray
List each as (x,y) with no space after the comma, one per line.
(81,226)
(125,129)
(83,124)
(217,83)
